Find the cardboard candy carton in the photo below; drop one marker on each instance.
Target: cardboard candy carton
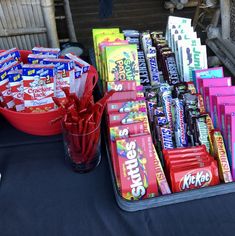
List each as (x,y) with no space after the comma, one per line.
(17,88)
(65,75)
(39,87)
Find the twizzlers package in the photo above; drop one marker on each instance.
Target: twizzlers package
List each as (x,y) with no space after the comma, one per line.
(39,87)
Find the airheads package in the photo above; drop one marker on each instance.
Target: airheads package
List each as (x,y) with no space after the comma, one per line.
(38,58)
(216,91)
(194,58)
(100,38)
(81,72)
(65,75)
(17,88)
(126,106)
(216,102)
(221,82)
(210,73)
(136,163)
(46,51)
(39,87)
(224,110)
(13,52)
(122,63)
(230,120)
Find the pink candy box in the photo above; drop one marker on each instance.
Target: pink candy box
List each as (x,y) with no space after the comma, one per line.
(225,109)
(214,91)
(230,120)
(219,100)
(203,83)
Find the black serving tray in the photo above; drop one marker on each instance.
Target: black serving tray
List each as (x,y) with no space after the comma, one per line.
(163,200)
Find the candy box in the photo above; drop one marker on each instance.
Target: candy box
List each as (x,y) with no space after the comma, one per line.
(65,75)
(221,82)
(216,91)
(215,72)
(121,85)
(14,52)
(46,51)
(38,58)
(17,88)
(101,38)
(122,131)
(195,177)
(101,31)
(126,106)
(4,85)
(122,63)
(216,101)
(194,58)
(230,121)
(123,95)
(81,72)
(6,61)
(136,162)
(39,87)
(224,110)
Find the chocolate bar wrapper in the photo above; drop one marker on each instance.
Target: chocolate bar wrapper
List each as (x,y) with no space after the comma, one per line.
(221,155)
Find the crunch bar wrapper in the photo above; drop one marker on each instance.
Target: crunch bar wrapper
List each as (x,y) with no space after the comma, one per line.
(17,88)
(221,155)
(65,75)
(39,87)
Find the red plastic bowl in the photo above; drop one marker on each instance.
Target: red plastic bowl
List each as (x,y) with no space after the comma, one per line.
(40,123)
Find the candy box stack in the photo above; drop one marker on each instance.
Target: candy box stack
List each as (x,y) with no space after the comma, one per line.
(174,114)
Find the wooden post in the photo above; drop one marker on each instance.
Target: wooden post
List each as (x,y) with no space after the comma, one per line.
(69,19)
(49,19)
(225,6)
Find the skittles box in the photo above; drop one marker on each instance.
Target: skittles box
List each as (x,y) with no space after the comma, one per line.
(136,163)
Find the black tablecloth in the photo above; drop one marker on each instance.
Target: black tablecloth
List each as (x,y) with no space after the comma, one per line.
(41,195)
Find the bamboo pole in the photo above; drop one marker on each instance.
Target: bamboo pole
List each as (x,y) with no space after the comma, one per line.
(49,19)
(69,19)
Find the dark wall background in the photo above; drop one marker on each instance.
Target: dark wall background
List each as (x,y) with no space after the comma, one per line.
(135,14)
